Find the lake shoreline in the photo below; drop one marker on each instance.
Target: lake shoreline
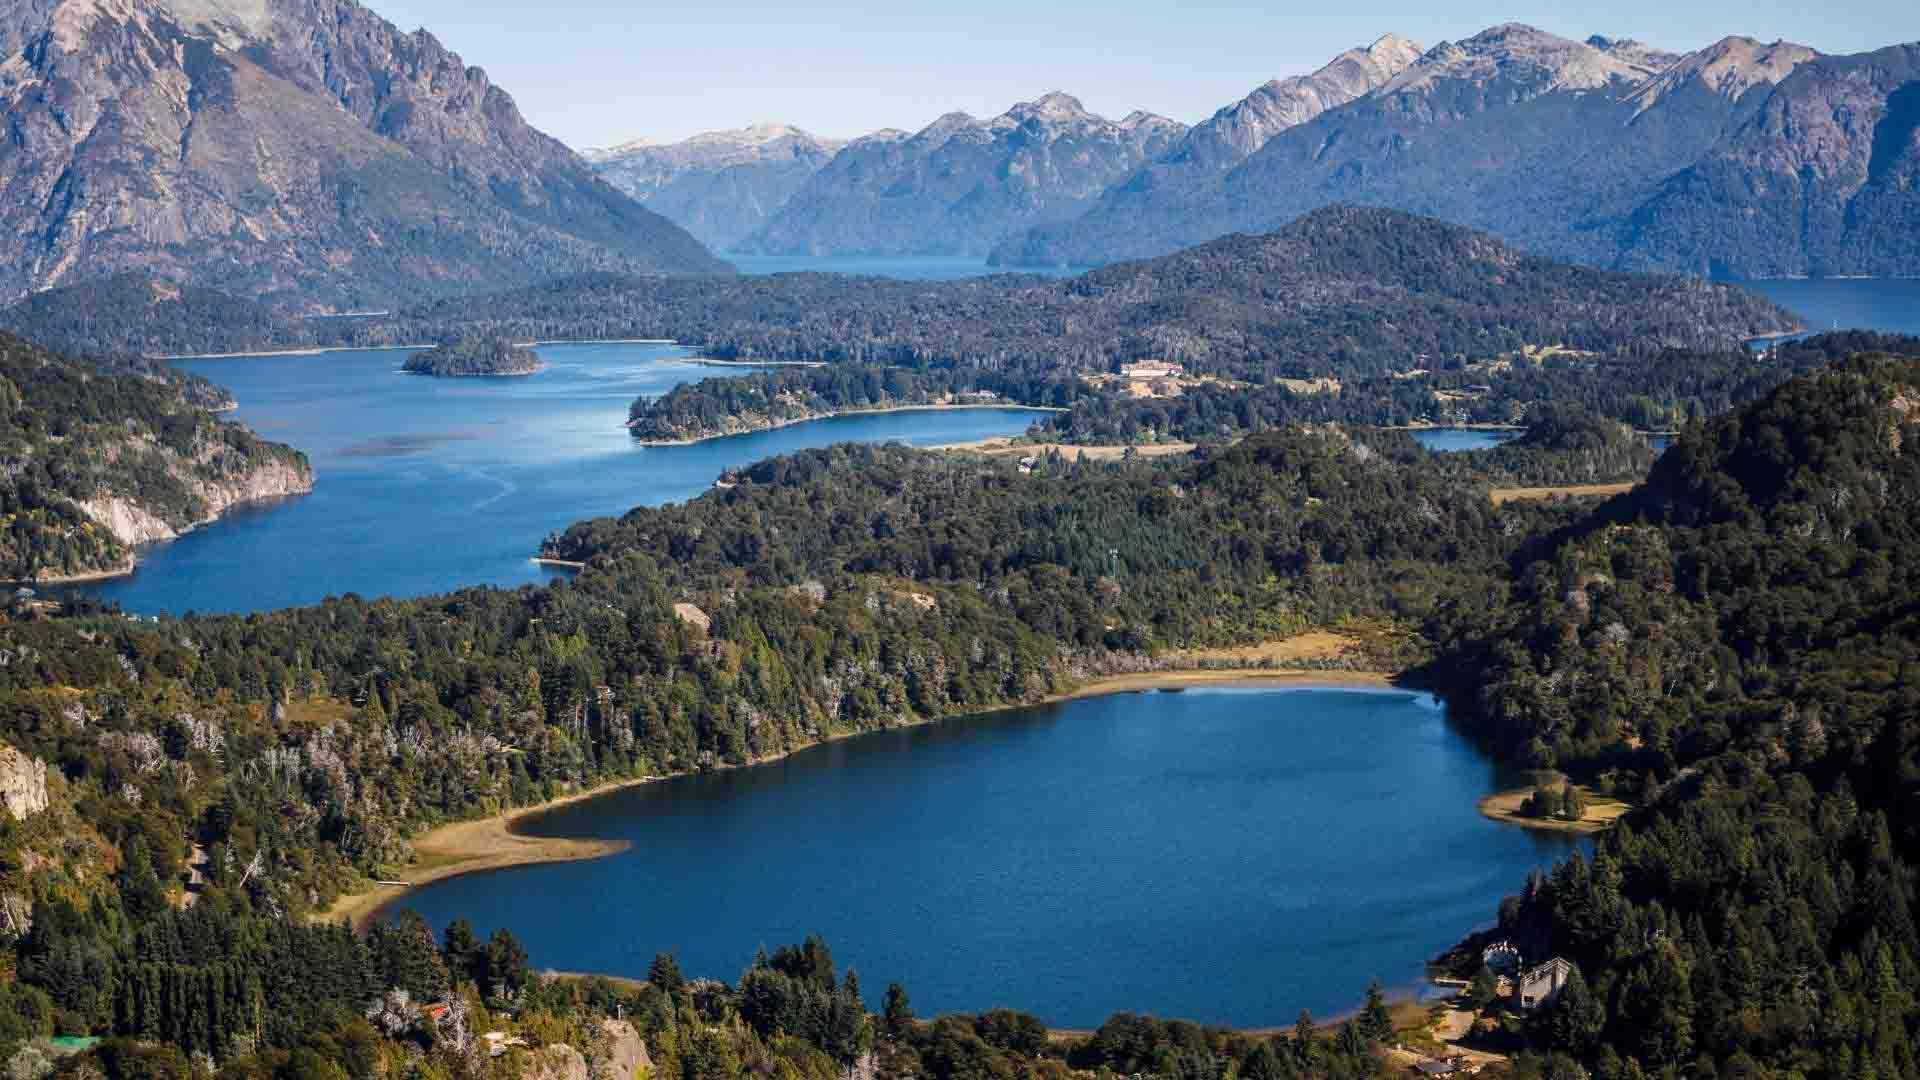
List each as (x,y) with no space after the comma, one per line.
(264,354)
(493,843)
(81,578)
(795,422)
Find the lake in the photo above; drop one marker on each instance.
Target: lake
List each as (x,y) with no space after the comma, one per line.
(900,267)
(1223,855)
(1454,440)
(424,485)
(1889,305)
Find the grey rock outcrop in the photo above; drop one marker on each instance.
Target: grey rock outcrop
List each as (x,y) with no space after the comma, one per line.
(23,783)
(620,1053)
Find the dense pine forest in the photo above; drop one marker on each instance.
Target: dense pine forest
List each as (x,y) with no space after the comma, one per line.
(1728,647)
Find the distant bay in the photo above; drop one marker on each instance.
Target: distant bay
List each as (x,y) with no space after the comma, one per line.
(1888,305)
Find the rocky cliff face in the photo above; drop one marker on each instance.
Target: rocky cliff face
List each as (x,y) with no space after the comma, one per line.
(962,184)
(617,1053)
(297,148)
(1743,158)
(23,783)
(216,489)
(720,186)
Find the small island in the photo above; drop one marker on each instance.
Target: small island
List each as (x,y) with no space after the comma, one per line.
(473,357)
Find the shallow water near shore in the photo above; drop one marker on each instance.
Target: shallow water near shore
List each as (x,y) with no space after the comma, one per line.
(426,485)
(1224,855)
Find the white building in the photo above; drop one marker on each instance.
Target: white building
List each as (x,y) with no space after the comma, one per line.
(1541,985)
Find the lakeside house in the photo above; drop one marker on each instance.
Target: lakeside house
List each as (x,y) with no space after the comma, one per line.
(1153,371)
(1541,985)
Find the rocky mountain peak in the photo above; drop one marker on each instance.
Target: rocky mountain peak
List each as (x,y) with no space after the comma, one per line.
(1536,60)
(1394,51)
(1729,67)
(1056,106)
(1243,127)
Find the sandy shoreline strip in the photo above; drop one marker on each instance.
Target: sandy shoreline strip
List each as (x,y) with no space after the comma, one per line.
(309,350)
(1504,807)
(1002,445)
(74,579)
(467,847)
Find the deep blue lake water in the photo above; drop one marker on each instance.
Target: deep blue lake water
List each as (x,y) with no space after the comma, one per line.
(428,485)
(1223,855)
(1890,305)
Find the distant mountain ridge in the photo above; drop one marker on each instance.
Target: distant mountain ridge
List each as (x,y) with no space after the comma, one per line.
(960,184)
(719,185)
(306,150)
(1215,146)
(1740,159)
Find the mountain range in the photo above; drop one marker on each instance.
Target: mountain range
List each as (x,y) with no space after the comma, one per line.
(298,149)
(961,184)
(722,185)
(1743,159)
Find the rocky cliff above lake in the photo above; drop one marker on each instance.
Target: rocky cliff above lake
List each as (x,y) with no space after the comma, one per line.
(304,149)
(96,464)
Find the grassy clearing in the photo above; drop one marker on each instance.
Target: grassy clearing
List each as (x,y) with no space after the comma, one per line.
(1502,496)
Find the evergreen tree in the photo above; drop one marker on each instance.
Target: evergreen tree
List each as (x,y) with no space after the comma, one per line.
(1376,1023)
(465,959)
(1306,1051)
(507,970)
(664,974)
(1578,1018)
(898,1010)
(140,887)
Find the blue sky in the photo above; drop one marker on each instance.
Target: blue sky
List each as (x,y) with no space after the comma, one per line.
(595,72)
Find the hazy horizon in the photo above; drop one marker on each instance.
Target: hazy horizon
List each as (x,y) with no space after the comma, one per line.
(597,73)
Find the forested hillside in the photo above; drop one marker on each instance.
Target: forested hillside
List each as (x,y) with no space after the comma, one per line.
(95,463)
(1732,644)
